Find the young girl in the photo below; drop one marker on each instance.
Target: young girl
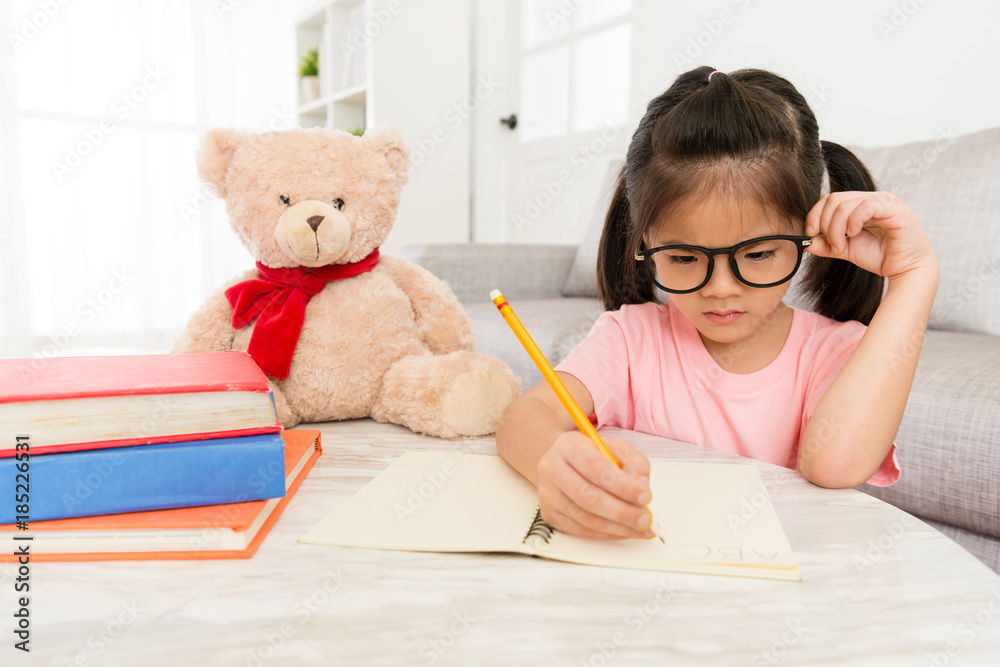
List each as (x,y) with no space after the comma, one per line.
(718,200)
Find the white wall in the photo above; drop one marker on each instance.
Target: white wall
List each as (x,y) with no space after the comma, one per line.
(421,85)
(877,72)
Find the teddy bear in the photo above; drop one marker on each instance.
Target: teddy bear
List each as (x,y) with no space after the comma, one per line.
(341,331)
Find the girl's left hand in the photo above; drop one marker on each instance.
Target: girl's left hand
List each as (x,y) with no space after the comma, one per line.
(874,230)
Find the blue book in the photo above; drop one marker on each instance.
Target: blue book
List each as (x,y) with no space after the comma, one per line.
(145,477)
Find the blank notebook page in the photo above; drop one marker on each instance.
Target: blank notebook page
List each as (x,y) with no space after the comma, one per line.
(435,502)
(711,516)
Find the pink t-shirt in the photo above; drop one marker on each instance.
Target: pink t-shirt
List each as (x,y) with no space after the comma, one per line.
(648,370)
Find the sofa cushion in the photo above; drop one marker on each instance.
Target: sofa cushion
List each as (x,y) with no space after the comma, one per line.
(473,270)
(555,325)
(949,441)
(951,185)
(582,278)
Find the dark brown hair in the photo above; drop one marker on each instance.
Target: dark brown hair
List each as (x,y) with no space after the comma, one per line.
(752,134)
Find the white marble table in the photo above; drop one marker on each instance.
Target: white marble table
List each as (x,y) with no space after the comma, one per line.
(879,587)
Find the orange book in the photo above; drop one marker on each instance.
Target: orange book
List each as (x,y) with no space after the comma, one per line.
(233,530)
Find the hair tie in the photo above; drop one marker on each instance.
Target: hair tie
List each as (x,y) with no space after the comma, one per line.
(714,72)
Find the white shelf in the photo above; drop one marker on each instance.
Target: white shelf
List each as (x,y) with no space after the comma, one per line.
(314,106)
(356,95)
(343,103)
(353,95)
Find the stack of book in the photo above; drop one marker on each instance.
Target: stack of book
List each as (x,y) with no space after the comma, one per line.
(143,457)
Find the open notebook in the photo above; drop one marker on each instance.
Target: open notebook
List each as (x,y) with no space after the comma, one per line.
(478,503)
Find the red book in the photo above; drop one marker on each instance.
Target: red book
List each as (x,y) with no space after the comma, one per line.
(78,403)
(233,530)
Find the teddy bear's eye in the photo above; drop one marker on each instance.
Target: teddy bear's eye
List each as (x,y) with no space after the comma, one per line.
(339,204)
(285,200)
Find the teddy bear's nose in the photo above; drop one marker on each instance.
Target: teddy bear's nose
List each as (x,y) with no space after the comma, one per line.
(314,221)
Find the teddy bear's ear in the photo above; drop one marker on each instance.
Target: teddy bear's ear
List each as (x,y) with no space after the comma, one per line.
(215,155)
(389,141)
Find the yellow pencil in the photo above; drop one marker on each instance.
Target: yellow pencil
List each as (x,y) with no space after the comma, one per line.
(581,420)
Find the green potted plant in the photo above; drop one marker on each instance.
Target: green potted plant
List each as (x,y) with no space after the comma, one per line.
(309,75)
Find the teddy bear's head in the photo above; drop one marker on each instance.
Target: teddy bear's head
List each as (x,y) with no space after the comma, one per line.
(307,197)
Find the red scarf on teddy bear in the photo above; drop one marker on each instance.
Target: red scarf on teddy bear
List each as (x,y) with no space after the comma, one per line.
(277,299)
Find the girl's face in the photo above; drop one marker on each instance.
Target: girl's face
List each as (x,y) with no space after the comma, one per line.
(724,310)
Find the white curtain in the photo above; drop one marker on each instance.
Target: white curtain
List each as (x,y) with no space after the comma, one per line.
(108,240)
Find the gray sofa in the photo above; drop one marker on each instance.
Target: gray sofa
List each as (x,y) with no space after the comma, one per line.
(949,440)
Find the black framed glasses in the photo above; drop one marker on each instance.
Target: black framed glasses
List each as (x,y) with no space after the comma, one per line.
(765,261)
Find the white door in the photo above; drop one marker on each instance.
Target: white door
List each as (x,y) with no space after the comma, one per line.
(563,69)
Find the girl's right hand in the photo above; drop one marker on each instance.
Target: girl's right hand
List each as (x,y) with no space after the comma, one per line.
(583,493)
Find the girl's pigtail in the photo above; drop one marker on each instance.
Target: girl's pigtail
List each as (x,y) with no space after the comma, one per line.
(837,288)
(618,279)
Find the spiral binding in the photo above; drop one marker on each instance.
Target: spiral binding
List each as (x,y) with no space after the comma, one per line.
(539,528)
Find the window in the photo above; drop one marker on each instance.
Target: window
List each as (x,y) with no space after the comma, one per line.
(574,67)
(109,240)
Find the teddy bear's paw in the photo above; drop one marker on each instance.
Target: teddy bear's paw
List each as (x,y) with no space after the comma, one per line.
(473,404)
